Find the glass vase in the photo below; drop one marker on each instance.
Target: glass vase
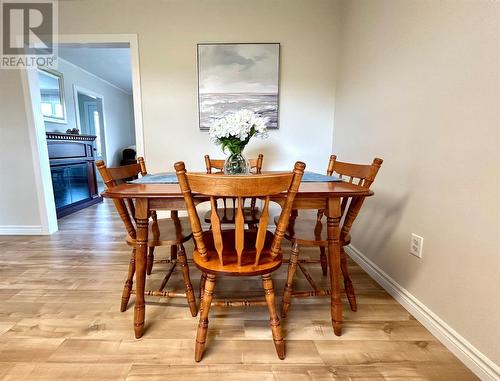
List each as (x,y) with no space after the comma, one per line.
(236,164)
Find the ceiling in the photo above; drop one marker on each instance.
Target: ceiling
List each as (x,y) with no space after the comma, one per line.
(109,63)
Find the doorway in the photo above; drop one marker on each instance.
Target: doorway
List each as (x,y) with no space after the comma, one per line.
(90,120)
(94,119)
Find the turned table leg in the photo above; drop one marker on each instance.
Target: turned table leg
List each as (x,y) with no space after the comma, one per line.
(141,214)
(333,231)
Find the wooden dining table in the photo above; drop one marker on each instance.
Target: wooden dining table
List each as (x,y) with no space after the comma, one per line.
(311,195)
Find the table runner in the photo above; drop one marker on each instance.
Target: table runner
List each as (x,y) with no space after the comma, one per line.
(171,178)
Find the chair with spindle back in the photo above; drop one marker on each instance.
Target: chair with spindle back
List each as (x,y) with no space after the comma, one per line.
(171,232)
(310,232)
(116,176)
(226,214)
(238,252)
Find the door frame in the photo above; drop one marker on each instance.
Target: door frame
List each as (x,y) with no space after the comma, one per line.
(79,89)
(39,152)
(36,125)
(114,40)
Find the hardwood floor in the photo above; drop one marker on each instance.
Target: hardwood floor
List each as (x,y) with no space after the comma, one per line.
(60,320)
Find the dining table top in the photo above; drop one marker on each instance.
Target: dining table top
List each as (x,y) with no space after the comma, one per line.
(306,189)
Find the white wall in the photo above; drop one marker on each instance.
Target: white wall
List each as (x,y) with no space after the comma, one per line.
(419,86)
(168,32)
(18,196)
(118,109)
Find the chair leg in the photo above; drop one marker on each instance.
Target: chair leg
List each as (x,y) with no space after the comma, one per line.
(203,279)
(292,267)
(323,260)
(173,252)
(279,343)
(187,280)
(151,259)
(151,250)
(201,334)
(349,289)
(127,288)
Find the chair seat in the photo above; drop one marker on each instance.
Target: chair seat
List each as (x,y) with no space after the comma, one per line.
(171,232)
(250,216)
(267,263)
(307,232)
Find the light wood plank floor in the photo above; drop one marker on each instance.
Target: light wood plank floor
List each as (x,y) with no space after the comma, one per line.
(60,320)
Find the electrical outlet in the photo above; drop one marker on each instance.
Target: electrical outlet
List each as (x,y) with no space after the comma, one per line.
(416,245)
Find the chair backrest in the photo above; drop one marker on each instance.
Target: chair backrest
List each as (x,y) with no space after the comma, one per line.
(259,186)
(218,164)
(359,174)
(117,175)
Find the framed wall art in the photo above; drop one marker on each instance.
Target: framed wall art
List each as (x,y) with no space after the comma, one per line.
(236,76)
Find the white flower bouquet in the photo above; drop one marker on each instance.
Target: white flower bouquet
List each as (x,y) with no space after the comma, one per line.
(234,131)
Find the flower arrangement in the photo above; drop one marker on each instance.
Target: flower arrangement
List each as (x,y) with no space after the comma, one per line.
(234,131)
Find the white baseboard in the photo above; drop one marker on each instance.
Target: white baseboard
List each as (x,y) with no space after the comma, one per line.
(21,230)
(477,362)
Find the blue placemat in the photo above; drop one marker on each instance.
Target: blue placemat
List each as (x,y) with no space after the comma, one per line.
(159,178)
(171,178)
(313,177)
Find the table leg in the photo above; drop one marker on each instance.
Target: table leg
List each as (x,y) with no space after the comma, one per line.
(333,232)
(142,221)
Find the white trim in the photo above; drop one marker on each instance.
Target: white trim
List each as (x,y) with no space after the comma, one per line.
(39,152)
(21,230)
(78,89)
(476,361)
(96,38)
(136,94)
(93,75)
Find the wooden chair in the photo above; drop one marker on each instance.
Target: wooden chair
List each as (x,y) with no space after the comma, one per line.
(310,232)
(238,252)
(171,232)
(226,214)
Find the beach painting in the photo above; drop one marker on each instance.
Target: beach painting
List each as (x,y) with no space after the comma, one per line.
(233,77)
